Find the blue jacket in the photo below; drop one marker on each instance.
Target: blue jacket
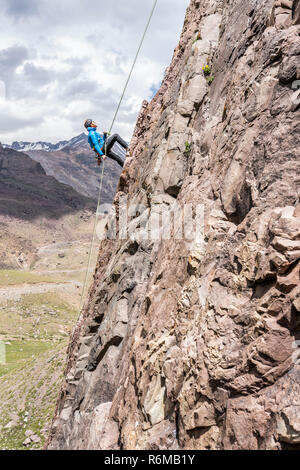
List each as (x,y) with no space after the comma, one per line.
(96,140)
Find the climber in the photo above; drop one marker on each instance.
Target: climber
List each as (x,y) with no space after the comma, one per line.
(113,146)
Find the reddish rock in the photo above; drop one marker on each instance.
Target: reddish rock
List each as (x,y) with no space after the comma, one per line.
(284,244)
(189,343)
(296,304)
(287,283)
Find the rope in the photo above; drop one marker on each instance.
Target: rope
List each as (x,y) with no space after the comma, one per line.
(103,164)
(93,238)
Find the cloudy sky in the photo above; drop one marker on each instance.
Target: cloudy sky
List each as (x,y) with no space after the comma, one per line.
(62,61)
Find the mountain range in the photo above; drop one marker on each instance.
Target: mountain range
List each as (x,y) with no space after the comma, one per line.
(35,209)
(73,163)
(48,146)
(27,192)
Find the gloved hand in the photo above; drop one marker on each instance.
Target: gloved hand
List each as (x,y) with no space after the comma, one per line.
(100,158)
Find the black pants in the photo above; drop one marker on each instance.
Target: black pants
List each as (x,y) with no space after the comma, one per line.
(115,148)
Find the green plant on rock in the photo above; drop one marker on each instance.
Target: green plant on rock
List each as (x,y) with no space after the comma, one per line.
(197,38)
(187,148)
(207,73)
(206,70)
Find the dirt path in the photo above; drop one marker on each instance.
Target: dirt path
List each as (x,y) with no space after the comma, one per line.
(62,271)
(16,292)
(56,247)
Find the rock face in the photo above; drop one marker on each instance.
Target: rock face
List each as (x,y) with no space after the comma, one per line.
(190,342)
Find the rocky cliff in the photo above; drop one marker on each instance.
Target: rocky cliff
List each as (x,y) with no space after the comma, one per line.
(190,342)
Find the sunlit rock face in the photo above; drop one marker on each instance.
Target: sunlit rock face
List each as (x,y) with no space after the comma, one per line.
(190,342)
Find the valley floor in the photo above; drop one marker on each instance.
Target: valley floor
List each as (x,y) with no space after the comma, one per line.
(38,309)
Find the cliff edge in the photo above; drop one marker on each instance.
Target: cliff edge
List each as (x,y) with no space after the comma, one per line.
(189,337)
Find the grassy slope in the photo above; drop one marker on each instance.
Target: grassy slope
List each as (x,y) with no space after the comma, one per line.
(37,212)
(29,391)
(35,332)
(36,329)
(10,277)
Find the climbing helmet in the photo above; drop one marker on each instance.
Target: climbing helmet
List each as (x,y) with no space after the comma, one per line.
(88,123)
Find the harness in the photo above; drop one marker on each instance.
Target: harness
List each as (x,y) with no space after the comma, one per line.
(102,150)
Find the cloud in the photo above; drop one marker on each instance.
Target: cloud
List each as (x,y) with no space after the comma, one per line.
(13,118)
(80,88)
(11,58)
(70,61)
(37,75)
(21,8)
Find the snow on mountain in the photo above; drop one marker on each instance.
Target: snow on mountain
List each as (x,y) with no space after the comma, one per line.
(47,146)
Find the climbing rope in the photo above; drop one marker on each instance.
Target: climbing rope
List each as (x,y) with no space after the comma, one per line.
(103,163)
